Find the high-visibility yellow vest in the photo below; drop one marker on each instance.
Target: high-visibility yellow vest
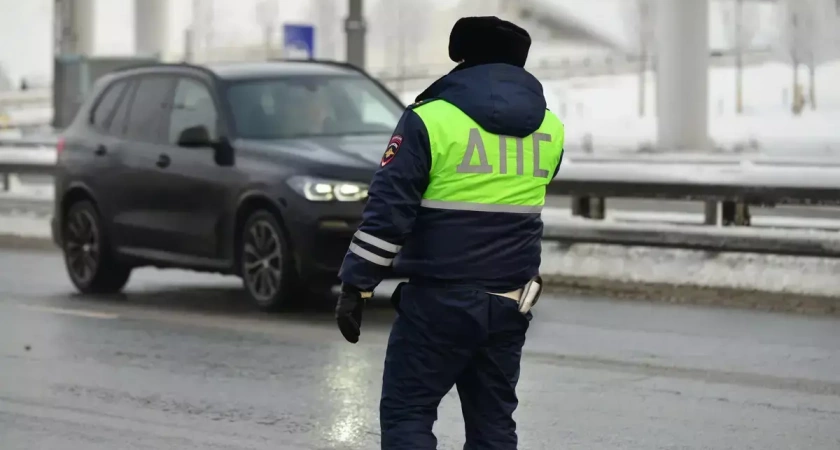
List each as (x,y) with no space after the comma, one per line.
(474,170)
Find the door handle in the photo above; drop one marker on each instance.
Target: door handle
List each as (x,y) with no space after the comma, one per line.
(163,160)
(101,150)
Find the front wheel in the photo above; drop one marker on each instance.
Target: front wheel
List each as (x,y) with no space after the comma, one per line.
(267,267)
(87,253)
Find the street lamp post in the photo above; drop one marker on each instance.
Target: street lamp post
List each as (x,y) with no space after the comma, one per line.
(354,26)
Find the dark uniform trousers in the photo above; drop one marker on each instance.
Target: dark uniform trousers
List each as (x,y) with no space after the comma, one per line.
(444,337)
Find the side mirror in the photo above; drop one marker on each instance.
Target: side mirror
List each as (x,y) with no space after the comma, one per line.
(224,153)
(199,136)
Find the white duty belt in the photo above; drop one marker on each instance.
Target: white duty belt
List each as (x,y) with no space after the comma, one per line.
(527,296)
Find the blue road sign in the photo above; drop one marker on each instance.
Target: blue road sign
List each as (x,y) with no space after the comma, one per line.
(298,41)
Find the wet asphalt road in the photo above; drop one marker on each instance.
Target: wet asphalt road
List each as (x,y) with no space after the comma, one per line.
(180,362)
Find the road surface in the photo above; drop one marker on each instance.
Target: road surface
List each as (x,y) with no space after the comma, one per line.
(180,362)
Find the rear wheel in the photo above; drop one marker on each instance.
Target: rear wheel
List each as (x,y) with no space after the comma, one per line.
(87,253)
(267,267)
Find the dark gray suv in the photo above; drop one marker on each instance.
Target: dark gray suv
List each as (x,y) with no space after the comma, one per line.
(259,170)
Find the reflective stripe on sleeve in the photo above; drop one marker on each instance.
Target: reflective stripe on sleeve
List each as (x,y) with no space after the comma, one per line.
(370,256)
(481,207)
(376,242)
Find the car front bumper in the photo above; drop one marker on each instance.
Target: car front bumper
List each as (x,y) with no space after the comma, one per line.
(320,234)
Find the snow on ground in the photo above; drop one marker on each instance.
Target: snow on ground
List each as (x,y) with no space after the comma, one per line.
(17,155)
(795,275)
(25,225)
(27,191)
(606,109)
(683,218)
(11,133)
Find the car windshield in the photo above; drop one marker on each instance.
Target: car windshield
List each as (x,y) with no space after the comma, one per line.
(293,107)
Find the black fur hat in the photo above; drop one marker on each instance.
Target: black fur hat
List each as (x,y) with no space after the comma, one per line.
(488,39)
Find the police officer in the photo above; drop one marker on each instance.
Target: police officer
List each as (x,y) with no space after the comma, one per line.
(455,208)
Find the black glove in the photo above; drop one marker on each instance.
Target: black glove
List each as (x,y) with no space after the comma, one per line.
(348,311)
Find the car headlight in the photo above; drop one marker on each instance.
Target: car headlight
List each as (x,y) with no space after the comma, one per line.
(321,190)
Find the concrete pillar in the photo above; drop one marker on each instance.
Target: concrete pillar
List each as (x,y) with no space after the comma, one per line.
(682,83)
(75,22)
(150,27)
(85,26)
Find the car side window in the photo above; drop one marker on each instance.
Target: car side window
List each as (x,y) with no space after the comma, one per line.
(119,123)
(148,108)
(193,106)
(103,112)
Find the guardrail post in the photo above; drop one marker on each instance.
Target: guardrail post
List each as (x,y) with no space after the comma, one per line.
(580,206)
(589,207)
(735,213)
(711,213)
(7,182)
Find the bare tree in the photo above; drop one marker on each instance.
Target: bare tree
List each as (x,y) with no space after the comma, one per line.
(809,33)
(799,36)
(741,21)
(641,20)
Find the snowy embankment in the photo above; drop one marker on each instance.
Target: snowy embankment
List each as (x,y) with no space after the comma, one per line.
(743,271)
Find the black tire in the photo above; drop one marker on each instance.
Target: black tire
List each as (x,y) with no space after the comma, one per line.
(88,256)
(266,263)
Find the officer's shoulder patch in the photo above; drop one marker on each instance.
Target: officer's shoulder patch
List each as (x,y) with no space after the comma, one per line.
(421,103)
(390,152)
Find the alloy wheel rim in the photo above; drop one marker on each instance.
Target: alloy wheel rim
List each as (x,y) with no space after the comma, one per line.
(262,261)
(82,246)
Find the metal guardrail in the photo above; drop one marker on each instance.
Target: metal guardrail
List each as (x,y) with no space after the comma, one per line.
(17,144)
(728,184)
(25,156)
(697,237)
(28,97)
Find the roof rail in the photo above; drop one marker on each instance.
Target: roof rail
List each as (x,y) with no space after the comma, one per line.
(331,62)
(162,65)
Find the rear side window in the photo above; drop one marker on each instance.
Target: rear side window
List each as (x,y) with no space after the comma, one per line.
(103,112)
(149,108)
(118,124)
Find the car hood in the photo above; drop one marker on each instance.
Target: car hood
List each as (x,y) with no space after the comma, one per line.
(356,152)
